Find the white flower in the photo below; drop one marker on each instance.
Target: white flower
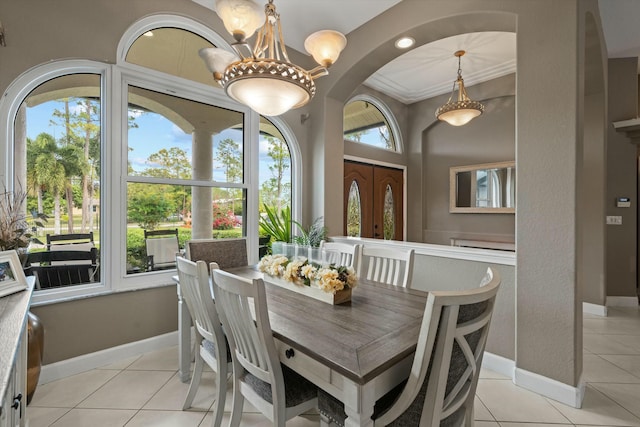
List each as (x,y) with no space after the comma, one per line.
(329,278)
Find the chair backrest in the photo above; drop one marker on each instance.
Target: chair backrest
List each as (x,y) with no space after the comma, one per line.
(56,240)
(196,292)
(341,254)
(387,265)
(446,367)
(251,342)
(227,253)
(162,247)
(58,268)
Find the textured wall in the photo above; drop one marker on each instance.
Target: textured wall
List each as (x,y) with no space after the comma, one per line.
(87,325)
(622,180)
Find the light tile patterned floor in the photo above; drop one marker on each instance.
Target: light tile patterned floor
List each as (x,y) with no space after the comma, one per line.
(146,391)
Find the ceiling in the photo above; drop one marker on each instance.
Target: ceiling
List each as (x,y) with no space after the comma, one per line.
(429,70)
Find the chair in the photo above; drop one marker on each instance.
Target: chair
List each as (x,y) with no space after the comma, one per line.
(58,268)
(341,254)
(263,245)
(387,265)
(61,240)
(277,391)
(162,247)
(196,292)
(227,253)
(441,388)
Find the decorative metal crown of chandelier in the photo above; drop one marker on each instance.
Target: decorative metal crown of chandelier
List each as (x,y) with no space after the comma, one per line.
(462,111)
(263,77)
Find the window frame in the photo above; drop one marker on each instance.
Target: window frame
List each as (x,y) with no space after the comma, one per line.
(15,95)
(115,79)
(388,115)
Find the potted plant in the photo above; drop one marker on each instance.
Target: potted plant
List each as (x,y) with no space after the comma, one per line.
(15,235)
(277,224)
(14,229)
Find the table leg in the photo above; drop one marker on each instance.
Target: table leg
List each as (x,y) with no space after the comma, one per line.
(358,404)
(184,340)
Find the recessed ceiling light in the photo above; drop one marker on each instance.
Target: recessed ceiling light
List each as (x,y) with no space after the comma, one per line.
(404,42)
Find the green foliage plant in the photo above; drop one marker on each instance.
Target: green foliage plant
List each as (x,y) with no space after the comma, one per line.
(314,235)
(148,210)
(276,224)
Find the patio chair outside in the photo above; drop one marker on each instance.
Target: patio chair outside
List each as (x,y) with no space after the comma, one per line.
(59,240)
(162,247)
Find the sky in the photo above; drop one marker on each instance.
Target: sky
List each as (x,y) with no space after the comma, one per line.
(153,133)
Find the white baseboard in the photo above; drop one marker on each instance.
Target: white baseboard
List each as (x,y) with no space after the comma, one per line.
(622,301)
(550,388)
(595,309)
(86,362)
(498,364)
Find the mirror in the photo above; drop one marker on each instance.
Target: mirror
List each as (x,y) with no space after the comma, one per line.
(485,188)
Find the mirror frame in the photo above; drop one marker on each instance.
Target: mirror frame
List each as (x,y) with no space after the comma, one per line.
(453,188)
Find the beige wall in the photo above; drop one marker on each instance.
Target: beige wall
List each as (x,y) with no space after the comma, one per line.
(622,179)
(87,325)
(487,139)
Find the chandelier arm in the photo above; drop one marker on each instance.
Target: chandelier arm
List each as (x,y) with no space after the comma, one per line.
(243,50)
(283,47)
(318,71)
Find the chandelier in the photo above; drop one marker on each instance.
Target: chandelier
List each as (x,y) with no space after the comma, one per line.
(463,110)
(262,77)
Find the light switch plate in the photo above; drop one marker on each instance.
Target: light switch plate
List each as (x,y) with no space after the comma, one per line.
(614,220)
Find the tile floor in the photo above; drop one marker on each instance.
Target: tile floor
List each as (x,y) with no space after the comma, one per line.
(145,391)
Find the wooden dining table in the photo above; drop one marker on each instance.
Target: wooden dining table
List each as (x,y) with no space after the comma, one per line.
(356,351)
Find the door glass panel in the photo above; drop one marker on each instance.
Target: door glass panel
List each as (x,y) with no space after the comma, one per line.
(389,217)
(354,211)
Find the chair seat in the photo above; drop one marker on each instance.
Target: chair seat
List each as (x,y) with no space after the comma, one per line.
(297,389)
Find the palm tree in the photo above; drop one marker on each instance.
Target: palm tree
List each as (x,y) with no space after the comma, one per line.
(46,173)
(43,144)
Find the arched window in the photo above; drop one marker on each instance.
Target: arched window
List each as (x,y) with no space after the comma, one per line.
(167,151)
(368,121)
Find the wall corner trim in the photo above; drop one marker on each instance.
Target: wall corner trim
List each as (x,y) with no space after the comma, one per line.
(551,388)
(86,362)
(595,309)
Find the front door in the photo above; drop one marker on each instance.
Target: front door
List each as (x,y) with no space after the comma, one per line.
(373,201)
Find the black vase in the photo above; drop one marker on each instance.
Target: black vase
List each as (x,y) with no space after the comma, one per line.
(35,351)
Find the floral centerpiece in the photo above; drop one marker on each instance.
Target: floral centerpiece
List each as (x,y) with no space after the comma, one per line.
(335,282)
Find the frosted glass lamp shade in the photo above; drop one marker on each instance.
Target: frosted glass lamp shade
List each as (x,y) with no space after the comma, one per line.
(267,96)
(325,46)
(241,18)
(459,117)
(217,60)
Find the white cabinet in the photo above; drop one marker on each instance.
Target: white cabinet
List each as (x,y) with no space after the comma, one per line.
(13,357)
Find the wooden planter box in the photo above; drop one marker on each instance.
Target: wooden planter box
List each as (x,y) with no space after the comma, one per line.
(312,291)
